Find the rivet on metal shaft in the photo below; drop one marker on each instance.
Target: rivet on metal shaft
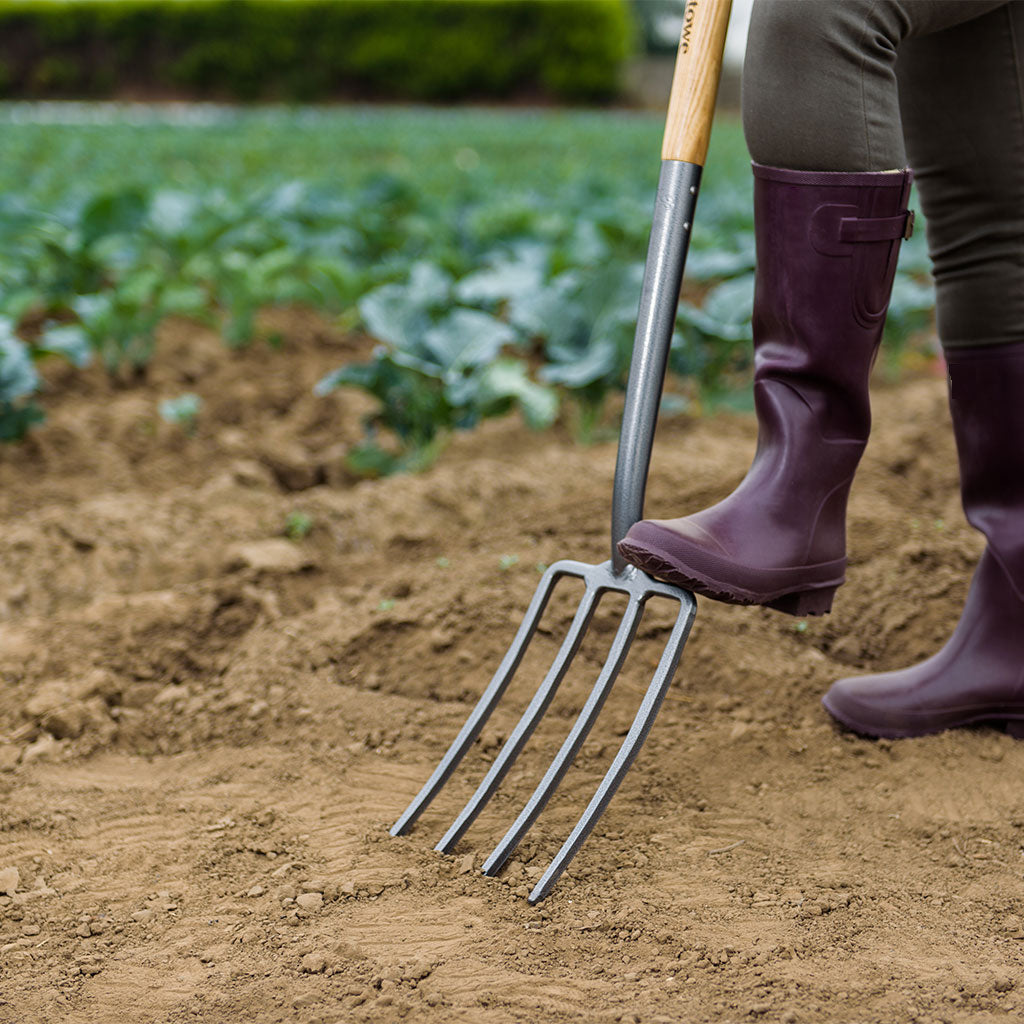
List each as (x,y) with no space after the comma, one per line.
(673,214)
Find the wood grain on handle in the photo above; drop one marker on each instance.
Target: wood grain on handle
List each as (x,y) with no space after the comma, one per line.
(695,82)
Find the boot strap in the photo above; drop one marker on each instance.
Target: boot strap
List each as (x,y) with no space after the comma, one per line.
(876,229)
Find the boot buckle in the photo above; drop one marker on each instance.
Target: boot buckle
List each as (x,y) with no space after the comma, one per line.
(834,228)
(876,229)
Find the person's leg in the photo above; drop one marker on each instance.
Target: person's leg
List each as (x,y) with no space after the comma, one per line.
(820,101)
(962,97)
(819,78)
(962,106)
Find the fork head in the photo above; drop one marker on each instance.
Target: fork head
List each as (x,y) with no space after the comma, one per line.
(598,581)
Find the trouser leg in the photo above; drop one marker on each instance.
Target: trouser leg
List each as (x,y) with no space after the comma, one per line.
(819,81)
(962,103)
(961,97)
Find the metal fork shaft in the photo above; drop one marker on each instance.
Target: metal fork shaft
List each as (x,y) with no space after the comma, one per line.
(674,208)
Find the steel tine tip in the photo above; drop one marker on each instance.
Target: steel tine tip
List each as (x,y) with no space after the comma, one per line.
(574,741)
(627,753)
(484,706)
(528,721)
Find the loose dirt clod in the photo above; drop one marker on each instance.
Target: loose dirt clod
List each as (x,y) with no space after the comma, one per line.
(310,900)
(314,963)
(270,556)
(9,880)
(46,748)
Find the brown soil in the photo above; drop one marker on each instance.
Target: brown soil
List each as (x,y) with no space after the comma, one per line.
(206,730)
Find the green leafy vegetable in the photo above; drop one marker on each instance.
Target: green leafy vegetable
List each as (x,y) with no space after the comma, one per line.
(509,281)
(18,381)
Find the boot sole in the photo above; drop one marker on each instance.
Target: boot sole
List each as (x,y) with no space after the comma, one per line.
(1012,724)
(815,600)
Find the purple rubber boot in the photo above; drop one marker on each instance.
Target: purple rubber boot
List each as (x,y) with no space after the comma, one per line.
(827,244)
(979,675)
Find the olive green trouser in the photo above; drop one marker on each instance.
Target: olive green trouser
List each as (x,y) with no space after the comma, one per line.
(873,85)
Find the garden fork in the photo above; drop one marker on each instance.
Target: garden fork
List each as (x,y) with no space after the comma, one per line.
(687,132)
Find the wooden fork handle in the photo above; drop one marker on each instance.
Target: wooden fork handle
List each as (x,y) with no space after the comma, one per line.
(695,82)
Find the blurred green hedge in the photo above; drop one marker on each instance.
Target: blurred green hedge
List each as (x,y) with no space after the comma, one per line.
(431,50)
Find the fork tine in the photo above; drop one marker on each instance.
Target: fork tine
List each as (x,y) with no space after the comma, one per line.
(631,745)
(570,748)
(484,706)
(528,721)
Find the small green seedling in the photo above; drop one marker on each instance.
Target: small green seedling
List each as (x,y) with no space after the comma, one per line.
(297,526)
(507,561)
(183,410)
